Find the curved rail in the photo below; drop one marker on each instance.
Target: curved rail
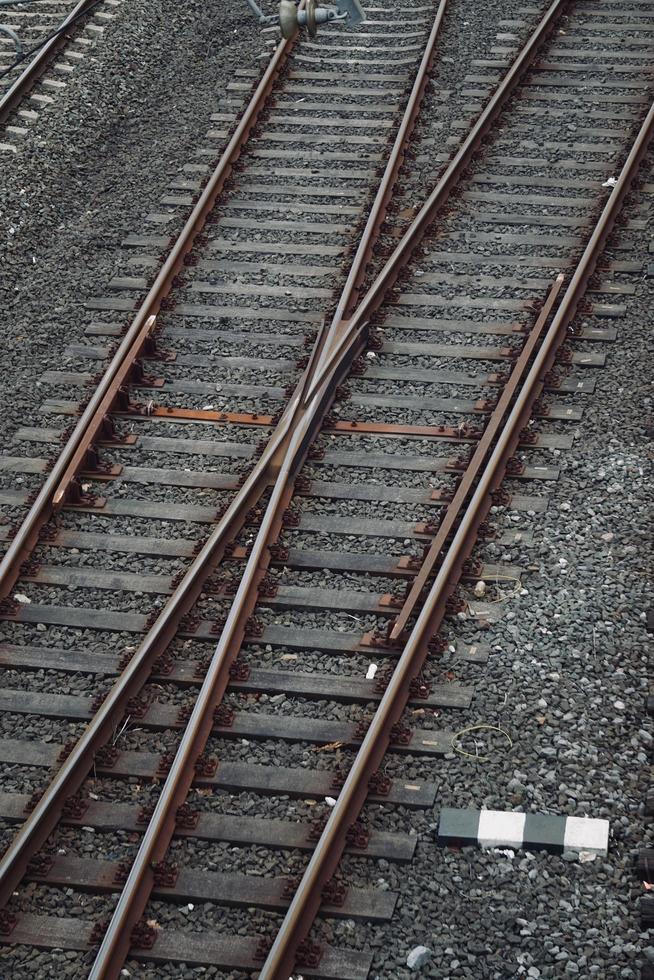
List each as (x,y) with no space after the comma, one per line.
(15,94)
(55,488)
(328,363)
(279,464)
(289,442)
(70,776)
(330,846)
(14,37)
(347,332)
(300,421)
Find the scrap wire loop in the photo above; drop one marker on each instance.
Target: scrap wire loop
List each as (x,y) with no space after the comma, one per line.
(476,728)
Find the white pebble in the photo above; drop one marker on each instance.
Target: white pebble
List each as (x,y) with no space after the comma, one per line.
(418,957)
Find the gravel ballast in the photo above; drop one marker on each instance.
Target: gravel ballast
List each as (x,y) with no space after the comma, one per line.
(566,679)
(92,167)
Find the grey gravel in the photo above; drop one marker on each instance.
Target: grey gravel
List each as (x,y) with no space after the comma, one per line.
(566,679)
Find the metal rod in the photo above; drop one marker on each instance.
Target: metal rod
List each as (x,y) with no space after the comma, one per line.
(299,425)
(4,29)
(441,192)
(70,776)
(257,11)
(306,901)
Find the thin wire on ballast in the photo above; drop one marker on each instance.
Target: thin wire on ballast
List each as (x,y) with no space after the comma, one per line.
(50,37)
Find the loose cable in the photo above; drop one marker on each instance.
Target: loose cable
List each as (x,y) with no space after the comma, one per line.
(476,728)
(46,40)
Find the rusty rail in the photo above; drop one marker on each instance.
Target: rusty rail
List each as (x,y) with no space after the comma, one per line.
(455,507)
(328,363)
(350,293)
(51,495)
(15,94)
(351,329)
(81,439)
(328,851)
(72,773)
(293,434)
(288,443)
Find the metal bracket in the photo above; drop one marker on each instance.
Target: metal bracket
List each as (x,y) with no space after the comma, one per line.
(290,18)
(259,14)
(352,10)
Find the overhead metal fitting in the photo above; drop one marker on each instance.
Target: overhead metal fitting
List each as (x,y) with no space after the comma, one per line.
(291,18)
(310,15)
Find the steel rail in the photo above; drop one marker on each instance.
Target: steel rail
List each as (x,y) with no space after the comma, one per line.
(579,284)
(482,448)
(72,773)
(104,396)
(298,431)
(161,826)
(325,858)
(19,89)
(438,197)
(23,541)
(350,293)
(302,416)
(280,438)
(27,535)
(82,436)
(75,768)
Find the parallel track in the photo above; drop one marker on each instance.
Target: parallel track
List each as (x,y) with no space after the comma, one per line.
(310,540)
(30,80)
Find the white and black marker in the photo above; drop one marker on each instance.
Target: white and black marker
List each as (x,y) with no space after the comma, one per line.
(530,831)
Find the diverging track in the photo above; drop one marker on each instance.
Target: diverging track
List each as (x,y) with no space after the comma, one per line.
(305,540)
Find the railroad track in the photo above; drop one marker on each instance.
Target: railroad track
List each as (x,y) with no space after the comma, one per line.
(31,73)
(233,556)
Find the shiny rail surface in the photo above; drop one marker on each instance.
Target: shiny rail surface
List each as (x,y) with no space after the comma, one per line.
(251,580)
(62,486)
